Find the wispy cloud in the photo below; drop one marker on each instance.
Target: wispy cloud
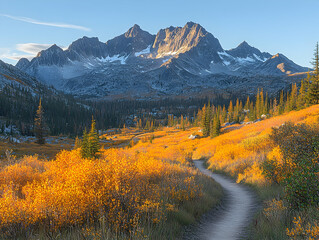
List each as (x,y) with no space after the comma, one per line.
(51,24)
(6,53)
(15,57)
(24,50)
(32,48)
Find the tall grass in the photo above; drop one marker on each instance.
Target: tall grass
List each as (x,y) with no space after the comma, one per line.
(146,191)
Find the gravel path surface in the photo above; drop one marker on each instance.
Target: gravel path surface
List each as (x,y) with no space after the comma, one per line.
(229,221)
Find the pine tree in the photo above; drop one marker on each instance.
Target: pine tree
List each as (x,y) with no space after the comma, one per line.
(252,112)
(230,111)
(281,102)
(85,145)
(257,105)
(93,137)
(247,104)
(261,104)
(148,125)
(186,122)
(240,110)
(77,143)
(287,103)
(293,97)
(266,107)
(208,118)
(313,89)
(275,108)
(202,115)
(215,127)
(236,112)
(40,127)
(223,115)
(301,99)
(90,143)
(182,123)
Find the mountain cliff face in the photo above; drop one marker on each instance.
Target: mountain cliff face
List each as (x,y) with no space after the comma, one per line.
(172,41)
(244,50)
(86,47)
(16,79)
(176,61)
(134,40)
(278,65)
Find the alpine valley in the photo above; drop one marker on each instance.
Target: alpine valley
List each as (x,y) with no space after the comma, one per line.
(177,61)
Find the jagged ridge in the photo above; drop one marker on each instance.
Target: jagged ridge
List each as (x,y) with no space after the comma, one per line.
(174,61)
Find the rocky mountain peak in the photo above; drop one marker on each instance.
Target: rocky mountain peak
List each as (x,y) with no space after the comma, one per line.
(86,47)
(279,64)
(133,31)
(279,56)
(244,50)
(171,41)
(23,63)
(173,61)
(13,75)
(191,24)
(84,41)
(54,49)
(244,44)
(134,40)
(54,55)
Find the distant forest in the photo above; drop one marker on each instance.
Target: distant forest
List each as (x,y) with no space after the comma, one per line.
(68,116)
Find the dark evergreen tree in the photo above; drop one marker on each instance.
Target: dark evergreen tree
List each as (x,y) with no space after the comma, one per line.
(85,145)
(215,127)
(40,127)
(301,99)
(208,116)
(90,143)
(93,140)
(77,143)
(230,112)
(313,88)
(182,123)
(281,102)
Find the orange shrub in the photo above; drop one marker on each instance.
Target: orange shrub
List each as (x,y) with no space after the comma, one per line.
(125,187)
(240,152)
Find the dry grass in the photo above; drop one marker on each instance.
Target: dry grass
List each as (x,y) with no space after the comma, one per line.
(239,152)
(47,151)
(149,190)
(144,188)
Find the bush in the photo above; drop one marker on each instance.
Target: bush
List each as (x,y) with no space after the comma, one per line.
(298,168)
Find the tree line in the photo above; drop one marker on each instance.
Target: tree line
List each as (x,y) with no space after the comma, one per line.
(211,117)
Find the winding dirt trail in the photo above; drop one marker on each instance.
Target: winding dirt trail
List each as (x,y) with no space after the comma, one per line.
(228,222)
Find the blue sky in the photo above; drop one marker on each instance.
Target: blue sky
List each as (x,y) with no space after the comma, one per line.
(286,26)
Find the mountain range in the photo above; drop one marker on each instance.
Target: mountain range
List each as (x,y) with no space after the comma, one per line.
(184,61)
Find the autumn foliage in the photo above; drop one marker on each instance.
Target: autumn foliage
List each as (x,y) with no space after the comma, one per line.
(241,151)
(124,190)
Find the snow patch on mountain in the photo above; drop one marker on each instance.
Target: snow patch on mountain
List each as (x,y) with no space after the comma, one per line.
(245,60)
(144,51)
(121,59)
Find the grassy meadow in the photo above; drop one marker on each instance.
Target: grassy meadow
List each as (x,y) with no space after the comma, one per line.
(144,185)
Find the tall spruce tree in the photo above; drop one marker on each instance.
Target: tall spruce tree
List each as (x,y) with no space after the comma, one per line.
(215,127)
(313,88)
(301,99)
(182,123)
(90,143)
(281,102)
(77,143)
(208,117)
(93,136)
(85,145)
(40,127)
(230,111)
